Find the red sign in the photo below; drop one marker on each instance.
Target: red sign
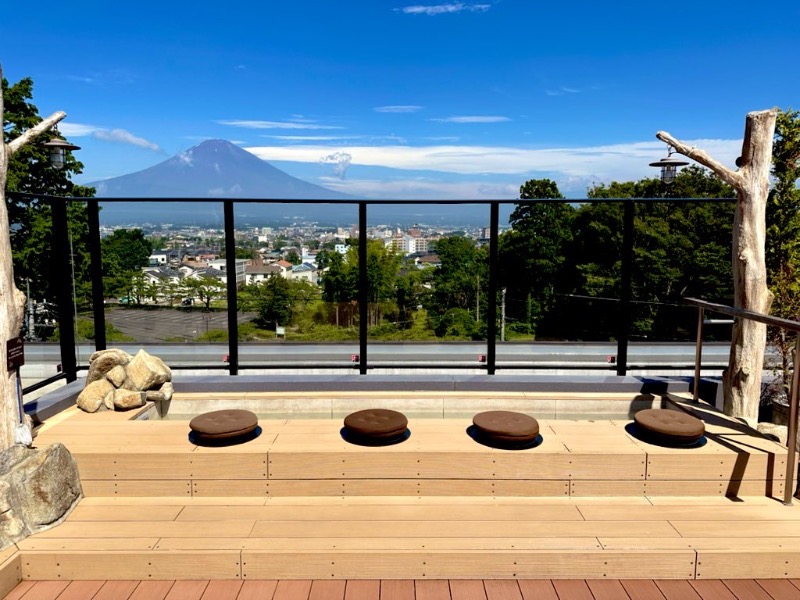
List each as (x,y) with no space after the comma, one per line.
(15,354)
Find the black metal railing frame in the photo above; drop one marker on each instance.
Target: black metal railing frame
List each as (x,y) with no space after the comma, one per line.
(66,310)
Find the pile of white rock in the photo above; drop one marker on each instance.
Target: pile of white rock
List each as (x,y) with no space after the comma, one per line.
(119,381)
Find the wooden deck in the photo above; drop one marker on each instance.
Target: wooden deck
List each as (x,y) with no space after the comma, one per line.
(298,503)
(525,589)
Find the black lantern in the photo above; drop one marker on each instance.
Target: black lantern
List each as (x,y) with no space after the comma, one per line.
(669,166)
(57,148)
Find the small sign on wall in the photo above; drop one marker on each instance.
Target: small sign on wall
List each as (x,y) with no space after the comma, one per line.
(15,354)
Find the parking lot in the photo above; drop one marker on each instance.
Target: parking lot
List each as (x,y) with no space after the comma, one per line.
(165,325)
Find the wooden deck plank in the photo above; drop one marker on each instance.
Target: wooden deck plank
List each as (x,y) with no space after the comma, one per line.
(452,512)
(152,590)
(116,590)
(124,513)
(148,529)
(41,590)
(467,589)
(607,589)
(780,588)
(737,528)
(397,589)
(717,564)
(99,544)
(327,590)
(574,589)
(140,487)
(747,589)
(732,512)
(706,543)
(297,589)
(448,565)
(502,589)
(257,589)
(366,589)
(642,589)
(677,590)
(381,543)
(537,589)
(431,529)
(222,590)
(216,564)
(432,589)
(19,590)
(187,590)
(712,589)
(10,571)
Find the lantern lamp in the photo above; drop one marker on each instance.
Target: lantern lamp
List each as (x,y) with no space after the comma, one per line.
(669,166)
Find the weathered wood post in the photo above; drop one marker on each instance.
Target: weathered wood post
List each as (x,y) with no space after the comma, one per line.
(12,301)
(742,378)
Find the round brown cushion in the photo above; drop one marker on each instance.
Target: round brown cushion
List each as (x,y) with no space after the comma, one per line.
(670,425)
(224,424)
(506,426)
(376,424)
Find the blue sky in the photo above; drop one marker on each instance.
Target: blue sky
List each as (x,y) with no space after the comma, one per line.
(394,99)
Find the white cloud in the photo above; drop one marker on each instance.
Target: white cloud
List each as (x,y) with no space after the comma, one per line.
(399,108)
(341,160)
(418,188)
(442,9)
(277,125)
(473,119)
(107,135)
(310,138)
(621,162)
(125,137)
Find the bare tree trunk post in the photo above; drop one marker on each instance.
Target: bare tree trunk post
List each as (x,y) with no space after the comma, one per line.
(742,378)
(12,301)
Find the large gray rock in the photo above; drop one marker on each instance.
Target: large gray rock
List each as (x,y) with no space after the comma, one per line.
(102,361)
(146,372)
(38,489)
(91,397)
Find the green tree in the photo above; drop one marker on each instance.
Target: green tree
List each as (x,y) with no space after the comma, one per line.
(206,289)
(460,280)
(533,252)
(31,220)
(124,252)
(274,302)
(783,234)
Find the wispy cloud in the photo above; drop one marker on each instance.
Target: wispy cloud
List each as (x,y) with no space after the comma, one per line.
(107,135)
(124,137)
(473,119)
(311,138)
(400,108)
(277,124)
(562,91)
(621,162)
(443,9)
(110,77)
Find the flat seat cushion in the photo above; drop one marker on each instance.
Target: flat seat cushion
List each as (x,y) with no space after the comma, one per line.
(223,424)
(671,424)
(506,426)
(376,423)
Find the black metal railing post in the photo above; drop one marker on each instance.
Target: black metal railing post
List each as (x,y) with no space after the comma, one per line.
(96,274)
(62,274)
(232,296)
(363,289)
(491,329)
(624,315)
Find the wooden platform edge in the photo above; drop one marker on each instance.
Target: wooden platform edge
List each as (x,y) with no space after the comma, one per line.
(10,574)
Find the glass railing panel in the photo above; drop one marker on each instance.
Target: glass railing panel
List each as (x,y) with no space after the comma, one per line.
(297,307)
(163,281)
(428,271)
